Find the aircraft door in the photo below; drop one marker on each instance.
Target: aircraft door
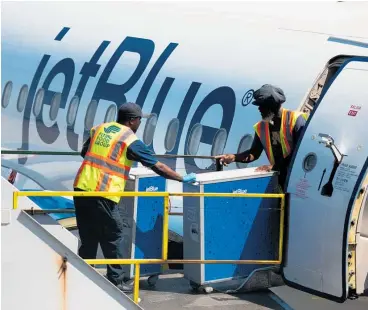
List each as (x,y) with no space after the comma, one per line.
(327,171)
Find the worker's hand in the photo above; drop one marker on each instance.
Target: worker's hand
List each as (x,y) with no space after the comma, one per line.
(226,159)
(189,178)
(265,168)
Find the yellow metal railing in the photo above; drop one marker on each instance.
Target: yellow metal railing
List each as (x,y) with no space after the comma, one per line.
(165,232)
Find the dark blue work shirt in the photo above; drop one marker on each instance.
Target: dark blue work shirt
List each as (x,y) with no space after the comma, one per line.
(138,151)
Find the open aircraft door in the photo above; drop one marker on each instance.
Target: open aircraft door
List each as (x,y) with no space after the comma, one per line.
(326,183)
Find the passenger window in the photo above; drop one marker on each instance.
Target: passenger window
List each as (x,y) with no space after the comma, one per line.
(22,98)
(195,139)
(72,111)
(110,114)
(171,134)
(37,106)
(219,141)
(5,99)
(55,105)
(89,118)
(149,129)
(244,145)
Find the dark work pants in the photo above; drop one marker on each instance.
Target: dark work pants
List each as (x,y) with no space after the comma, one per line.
(99,222)
(283,171)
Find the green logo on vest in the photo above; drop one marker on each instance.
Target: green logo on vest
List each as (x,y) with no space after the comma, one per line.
(103,140)
(112,129)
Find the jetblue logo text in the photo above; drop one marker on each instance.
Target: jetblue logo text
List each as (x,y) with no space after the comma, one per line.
(106,91)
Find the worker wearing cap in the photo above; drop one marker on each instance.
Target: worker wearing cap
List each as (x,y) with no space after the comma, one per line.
(108,156)
(277,133)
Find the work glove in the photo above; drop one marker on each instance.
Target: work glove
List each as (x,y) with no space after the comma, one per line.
(189,178)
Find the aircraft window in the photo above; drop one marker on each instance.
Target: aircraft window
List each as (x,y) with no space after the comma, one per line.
(55,105)
(89,118)
(309,162)
(37,106)
(244,145)
(195,139)
(171,134)
(149,129)
(110,114)
(5,99)
(219,142)
(72,110)
(22,98)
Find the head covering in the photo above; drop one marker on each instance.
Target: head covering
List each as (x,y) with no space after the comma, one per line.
(130,109)
(268,94)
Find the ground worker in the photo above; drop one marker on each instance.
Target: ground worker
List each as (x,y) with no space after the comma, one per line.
(108,156)
(277,133)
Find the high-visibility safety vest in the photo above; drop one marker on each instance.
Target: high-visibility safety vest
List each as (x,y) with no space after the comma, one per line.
(105,166)
(288,120)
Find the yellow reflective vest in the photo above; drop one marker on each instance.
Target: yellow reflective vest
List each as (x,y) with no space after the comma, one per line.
(105,166)
(288,120)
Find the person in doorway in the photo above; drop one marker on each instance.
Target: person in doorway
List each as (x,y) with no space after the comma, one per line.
(108,155)
(277,133)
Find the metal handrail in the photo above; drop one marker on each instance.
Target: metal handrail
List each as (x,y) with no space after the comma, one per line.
(165,232)
(142,194)
(76,153)
(219,166)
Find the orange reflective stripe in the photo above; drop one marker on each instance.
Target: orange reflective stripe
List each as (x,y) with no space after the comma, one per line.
(108,182)
(262,130)
(266,133)
(99,182)
(105,182)
(93,130)
(93,139)
(94,136)
(107,160)
(121,150)
(79,173)
(102,184)
(112,167)
(291,122)
(118,147)
(259,130)
(284,128)
(112,147)
(105,169)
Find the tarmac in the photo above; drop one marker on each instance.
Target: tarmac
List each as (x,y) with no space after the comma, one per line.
(172,291)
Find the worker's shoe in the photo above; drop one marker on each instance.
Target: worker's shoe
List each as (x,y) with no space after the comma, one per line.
(125,287)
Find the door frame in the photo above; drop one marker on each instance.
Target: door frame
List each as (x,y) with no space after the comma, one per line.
(355,191)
